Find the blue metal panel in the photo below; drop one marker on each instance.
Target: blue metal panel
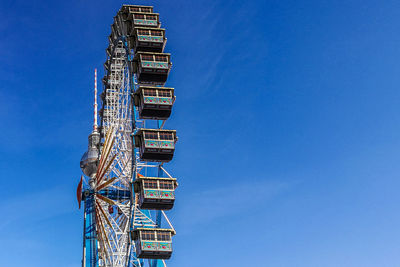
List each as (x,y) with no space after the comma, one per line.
(116,194)
(90,238)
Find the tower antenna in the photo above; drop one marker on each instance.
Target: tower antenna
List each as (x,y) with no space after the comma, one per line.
(95,101)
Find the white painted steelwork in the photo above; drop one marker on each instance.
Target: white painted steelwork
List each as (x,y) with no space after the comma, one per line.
(119,162)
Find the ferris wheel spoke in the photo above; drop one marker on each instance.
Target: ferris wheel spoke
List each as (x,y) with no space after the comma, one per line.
(116,238)
(104,156)
(108,247)
(120,206)
(124,169)
(107,142)
(101,178)
(116,231)
(117,187)
(105,240)
(106,184)
(103,213)
(106,199)
(121,179)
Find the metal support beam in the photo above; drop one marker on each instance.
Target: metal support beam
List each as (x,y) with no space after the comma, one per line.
(90,238)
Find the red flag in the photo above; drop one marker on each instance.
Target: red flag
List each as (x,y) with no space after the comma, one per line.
(79,192)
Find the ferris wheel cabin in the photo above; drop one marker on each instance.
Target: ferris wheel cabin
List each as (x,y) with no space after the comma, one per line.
(137,8)
(152,68)
(154,102)
(156,145)
(148,39)
(153,243)
(155,193)
(140,16)
(145,19)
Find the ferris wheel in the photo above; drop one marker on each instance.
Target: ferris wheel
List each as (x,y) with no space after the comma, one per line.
(126,189)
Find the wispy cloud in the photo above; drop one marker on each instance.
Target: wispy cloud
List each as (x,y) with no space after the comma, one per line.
(210,205)
(34,207)
(32,222)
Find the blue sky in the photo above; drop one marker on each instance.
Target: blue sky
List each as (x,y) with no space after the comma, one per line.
(287,116)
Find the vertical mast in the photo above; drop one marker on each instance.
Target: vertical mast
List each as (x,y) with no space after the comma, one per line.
(95,101)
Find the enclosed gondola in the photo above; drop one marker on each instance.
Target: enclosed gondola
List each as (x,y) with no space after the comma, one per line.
(153,243)
(147,39)
(145,19)
(152,68)
(156,145)
(154,102)
(155,193)
(140,18)
(137,8)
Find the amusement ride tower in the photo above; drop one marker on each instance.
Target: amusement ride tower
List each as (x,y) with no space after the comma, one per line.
(126,188)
